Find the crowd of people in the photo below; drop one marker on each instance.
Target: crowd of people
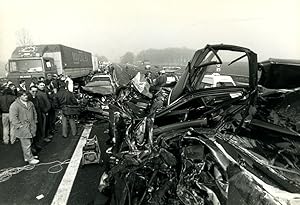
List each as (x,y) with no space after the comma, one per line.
(30,112)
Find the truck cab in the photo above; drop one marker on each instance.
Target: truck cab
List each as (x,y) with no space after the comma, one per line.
(30,67)
(29,62)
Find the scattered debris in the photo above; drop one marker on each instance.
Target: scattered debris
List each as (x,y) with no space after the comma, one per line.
(39,197)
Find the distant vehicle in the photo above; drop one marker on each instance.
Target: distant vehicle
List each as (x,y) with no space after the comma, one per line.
(217,80)
(172,78)
(27,62)
(171,67)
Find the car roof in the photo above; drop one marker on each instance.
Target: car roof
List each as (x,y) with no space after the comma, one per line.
(281,61)
(101,75)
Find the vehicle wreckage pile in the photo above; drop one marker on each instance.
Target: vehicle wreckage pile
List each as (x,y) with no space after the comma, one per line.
(219,145)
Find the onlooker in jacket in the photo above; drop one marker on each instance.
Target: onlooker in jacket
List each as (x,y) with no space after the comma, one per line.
(51,113)
(36,144)
(64,98)
(45,107)
(6,100)
(24,118)
(22,86)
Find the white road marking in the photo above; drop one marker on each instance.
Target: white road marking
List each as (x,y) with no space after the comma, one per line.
(119,67)
(62,194)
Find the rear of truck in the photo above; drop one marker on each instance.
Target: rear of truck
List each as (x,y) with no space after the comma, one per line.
(76,63)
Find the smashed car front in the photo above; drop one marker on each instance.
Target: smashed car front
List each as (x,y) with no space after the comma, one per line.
(97,94)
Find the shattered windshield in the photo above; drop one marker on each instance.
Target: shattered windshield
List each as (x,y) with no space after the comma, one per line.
(28,65)
(221,68)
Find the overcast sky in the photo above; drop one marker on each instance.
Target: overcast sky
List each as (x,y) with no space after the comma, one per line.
(111,27)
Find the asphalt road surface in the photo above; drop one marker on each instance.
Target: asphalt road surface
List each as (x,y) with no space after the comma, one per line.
(23,186)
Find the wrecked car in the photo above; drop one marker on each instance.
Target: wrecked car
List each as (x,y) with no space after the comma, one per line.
(199,145)
(97,94)
(279,99)
(102,84)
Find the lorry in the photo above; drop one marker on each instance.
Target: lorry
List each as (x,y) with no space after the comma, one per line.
(27,62)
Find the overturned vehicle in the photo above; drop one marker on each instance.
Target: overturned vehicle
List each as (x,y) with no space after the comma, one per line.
(231,144)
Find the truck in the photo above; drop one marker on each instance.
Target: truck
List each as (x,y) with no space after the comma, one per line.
(27,62)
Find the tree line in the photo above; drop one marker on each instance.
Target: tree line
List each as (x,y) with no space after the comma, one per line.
(167,56)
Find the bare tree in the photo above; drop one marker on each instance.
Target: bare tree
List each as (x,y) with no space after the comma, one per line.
(23,37)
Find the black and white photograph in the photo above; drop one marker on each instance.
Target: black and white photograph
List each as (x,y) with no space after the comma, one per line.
(139,102)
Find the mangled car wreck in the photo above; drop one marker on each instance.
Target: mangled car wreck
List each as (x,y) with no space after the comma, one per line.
(97,94)
(235,144)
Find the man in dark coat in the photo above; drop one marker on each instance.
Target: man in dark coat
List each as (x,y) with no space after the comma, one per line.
(36,144)
(6,100)
(63,99)
(45,107)
(51,113)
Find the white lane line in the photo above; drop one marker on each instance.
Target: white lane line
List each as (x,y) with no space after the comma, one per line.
(62,194)
(119,67)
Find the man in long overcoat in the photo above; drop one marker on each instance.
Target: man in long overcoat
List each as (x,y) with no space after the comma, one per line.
(23,117)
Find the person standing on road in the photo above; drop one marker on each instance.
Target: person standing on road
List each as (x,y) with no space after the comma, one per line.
(51,113)
(36,143)
(64,100)
(6,100)
(24,118)
(45,107)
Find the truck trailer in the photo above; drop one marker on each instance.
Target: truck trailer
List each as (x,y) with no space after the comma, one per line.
(31,61)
